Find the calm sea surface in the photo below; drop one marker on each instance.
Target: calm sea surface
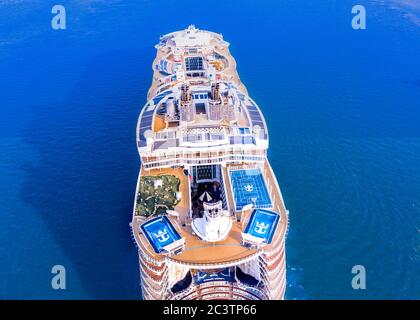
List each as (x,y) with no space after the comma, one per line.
(342,106)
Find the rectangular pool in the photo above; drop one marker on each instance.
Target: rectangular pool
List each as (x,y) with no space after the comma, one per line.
(262,224)
(160,232)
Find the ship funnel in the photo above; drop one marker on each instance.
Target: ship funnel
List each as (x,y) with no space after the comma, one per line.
(215,104)
(215,91)
(187,110)
(185,97)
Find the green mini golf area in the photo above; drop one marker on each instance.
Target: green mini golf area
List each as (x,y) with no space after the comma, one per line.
(157,194)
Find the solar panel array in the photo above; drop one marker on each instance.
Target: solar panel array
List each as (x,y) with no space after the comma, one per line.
(256,118)
(255,115)
(165,144)
(159,97)
(145,124)
(147,118)
(194,63)
(162,66)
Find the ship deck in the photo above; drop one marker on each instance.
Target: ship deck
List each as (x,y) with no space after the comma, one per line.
(196,252)
(229,71)
(204,254)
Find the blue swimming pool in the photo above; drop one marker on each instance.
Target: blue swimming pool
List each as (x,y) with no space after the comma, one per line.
(248,187)
(160,232)
(262,224)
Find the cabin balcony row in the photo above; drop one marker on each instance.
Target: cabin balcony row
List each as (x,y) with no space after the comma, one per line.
(193,161)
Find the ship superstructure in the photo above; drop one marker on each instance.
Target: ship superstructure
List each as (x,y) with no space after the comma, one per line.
(209,219)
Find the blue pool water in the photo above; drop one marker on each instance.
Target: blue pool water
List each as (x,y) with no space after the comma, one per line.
(343,113)
(160,233)
(262,224)
(248,187)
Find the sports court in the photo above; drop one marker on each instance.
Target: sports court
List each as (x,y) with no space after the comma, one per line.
(248,187)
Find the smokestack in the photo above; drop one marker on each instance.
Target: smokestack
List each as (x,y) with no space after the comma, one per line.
(215,90)
(185,97)
(187,110)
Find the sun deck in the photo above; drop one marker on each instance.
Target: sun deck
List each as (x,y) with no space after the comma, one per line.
(172,67)
(226,65)
(231,250)
(198,252)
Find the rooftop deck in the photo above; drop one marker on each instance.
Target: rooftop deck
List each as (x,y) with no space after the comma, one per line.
(215,57)
(227,252)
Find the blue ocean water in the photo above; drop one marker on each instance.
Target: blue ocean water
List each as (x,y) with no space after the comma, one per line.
(342,107)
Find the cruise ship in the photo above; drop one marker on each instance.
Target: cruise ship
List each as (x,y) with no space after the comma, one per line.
(209,220)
